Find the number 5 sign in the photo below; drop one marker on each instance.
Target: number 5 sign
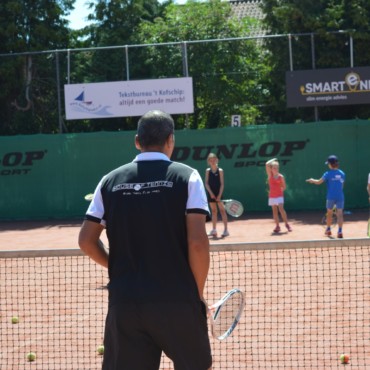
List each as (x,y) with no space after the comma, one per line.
(235,121)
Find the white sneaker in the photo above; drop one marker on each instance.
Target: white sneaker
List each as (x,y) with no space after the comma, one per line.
(213,232)
(225,233)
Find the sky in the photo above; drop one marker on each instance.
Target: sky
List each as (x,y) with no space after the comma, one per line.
(78,16)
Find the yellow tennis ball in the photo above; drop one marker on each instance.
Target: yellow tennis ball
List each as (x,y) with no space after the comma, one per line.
(344,358)
(31,356)
(15,320)
(100,350)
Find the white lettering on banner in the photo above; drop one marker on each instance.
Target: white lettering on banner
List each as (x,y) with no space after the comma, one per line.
(352,84)
(325,87)
(129,98)
(326,98)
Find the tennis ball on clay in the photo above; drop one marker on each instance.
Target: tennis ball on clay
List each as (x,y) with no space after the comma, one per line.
(31,356)
(15,320)
(344,358)
(100,350)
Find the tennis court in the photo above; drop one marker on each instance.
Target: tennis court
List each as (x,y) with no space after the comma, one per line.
(307,302)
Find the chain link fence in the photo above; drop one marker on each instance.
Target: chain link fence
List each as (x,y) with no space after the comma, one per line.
(230,76)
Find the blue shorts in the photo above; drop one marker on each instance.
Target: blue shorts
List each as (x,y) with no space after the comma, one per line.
(136,334)
(330,203)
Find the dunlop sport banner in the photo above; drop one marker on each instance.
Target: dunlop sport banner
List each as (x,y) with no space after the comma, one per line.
(322,87)
(47,176)
(128,98)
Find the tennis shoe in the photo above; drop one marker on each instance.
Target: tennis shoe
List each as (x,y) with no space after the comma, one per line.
(327,232)
(225,233)
(277,229)
(288,227)
(213,233)
(340,235)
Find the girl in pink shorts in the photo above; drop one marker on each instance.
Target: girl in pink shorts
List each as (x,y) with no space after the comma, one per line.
(277,186)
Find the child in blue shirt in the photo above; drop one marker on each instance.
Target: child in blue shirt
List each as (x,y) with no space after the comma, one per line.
(334,179)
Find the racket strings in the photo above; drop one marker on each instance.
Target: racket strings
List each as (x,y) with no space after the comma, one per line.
(227,315)
(234,208)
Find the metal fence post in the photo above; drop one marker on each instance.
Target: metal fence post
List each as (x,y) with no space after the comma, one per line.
(127,64)
(290,51)
(316,110)
(69,66)
(185,68)
(60,119)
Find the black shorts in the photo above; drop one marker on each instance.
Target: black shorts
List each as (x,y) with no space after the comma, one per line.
(136,335)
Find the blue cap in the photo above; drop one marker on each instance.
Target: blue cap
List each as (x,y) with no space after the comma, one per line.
(332,159)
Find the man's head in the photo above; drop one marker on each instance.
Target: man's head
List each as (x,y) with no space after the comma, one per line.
(155,131)
(332,161)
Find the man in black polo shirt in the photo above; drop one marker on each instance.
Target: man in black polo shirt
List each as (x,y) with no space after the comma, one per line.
(154,212)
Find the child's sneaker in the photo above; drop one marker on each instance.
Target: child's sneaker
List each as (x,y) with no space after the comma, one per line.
(328,231)
(340,234)
(277,229)
(288,227)
(225,233)
(213,233)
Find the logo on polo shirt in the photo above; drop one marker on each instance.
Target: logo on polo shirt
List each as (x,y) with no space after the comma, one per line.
(143,185)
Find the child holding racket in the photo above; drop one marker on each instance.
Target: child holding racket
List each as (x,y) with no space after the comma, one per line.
(277,187)
(214,183)
(334,179)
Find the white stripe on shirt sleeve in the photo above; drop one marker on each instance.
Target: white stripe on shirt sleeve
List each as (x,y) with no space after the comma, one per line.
(197,195)
(96,207)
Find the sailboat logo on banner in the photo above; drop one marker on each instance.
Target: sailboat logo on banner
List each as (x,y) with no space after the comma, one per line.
(80,104)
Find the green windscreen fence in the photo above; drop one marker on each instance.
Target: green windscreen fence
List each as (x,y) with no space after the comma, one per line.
(47,176)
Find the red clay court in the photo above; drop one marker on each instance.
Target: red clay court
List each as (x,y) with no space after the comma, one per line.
(247,229)
(307,297)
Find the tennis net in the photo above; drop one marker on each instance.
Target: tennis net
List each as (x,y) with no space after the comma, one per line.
(306,304)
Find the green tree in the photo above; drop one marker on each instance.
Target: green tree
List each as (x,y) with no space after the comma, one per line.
(28,93)
(225,74)
(324,19)
(113,24)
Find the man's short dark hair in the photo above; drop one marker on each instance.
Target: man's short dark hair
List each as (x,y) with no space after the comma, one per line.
(154,128)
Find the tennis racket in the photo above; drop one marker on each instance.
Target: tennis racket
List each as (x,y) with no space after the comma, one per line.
(89,197)
(225,314)
(233,207)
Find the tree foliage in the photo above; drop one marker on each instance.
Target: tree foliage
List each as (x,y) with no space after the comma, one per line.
(28,81)
(325,21)
(225,74)
(156,39)
(113,23)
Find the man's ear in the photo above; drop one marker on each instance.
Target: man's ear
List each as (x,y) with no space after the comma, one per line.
(137,144)
(170,140)
(169,145)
